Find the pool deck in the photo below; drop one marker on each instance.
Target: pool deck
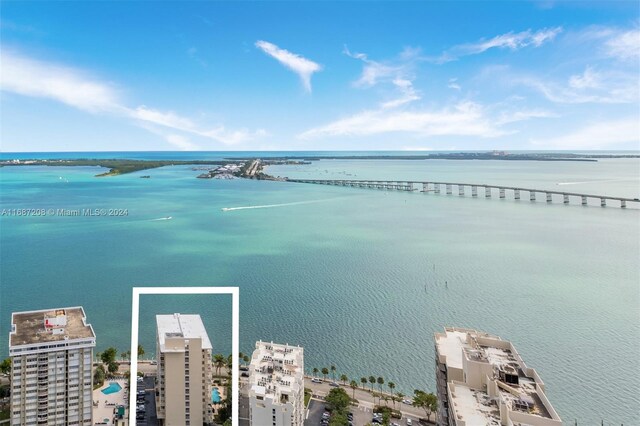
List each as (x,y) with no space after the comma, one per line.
(107,403)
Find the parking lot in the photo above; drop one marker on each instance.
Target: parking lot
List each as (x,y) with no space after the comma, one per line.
(150,418)
(361,415)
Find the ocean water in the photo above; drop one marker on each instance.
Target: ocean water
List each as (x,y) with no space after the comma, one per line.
(355,276)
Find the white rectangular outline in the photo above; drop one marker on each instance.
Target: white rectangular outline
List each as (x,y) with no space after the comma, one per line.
(235,341)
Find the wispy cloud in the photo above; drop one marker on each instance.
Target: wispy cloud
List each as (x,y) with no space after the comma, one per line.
(398,72)
(511,41)
(463,119)
(590,86)
(624,45)
(600,135)
(30,77)
(453,84)
(296,63)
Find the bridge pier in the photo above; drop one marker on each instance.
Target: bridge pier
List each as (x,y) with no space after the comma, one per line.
(603,202)
(566,198)
(623,204)
(436,188)
(425,186)
(532,195)
(460,189)
(409,186)
(584,200)
(487,192)
(516,194)
(501,192)
(448,186)
(548,197)
(474,191)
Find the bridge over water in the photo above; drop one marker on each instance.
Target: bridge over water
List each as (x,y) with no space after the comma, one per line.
(437,188)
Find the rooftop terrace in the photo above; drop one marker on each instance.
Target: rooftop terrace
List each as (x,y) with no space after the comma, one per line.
(49,325)
(276,370)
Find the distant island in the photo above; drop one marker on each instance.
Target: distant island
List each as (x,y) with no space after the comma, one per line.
(252,167)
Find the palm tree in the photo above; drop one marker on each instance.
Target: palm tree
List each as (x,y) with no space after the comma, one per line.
(400,396)
(372,380)
(344,379)
(380,383)
(391,388)
(364,381)
(354,386)
(333,372)
(325,371)
(218,362)
(246,359)
(140,351)
(123,355)
(315,372)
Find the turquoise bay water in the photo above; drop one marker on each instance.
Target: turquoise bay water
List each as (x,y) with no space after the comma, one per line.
(355,276)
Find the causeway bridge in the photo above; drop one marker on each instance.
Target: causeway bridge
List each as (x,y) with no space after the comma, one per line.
(447,187)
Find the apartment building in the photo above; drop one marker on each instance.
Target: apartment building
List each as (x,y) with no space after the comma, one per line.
(51,377)
(276,380)
(184,388)
(482,379)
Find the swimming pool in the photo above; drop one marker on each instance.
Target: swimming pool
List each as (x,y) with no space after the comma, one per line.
(112,388)
(215,396)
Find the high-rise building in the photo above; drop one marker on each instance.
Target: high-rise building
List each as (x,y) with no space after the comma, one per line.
(185,371)
(276,379)
(481,379)
(51,376)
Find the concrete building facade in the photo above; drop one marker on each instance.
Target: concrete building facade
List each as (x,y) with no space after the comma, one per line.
(185,370)
(276,380)
(481,379)
(51,376)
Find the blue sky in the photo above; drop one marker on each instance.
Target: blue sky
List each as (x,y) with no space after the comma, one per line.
(112,76)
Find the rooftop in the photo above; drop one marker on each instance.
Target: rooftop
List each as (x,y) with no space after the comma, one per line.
(178,325)
(276,371)
(494,366)
(49,325)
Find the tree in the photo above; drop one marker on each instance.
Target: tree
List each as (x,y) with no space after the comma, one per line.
(218,362)
(109,355)
(380,383)
(315,371)
(140,351)
(344,379)
(333,372)
(325,371)
(354,386)
(427,401)
(5,366)
(364,381)
(112,367)
(337,400)
(123,355)
(338,419)
(99,375)
(372,380)
(391,388)
(246,359)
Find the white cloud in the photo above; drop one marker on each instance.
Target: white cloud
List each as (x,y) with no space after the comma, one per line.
(604,87)
(398,73)
(598,136)
(296,63)
(34,78)
(464,119)
(507,117)
(512,41)
(453,84)
(624,45)
(30,77)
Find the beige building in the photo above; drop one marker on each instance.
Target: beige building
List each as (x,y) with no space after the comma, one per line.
(51,377)
(276,379)
(184,371)
(482,380)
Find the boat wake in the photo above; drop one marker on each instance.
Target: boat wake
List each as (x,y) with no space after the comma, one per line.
(161,218)
(269,206)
